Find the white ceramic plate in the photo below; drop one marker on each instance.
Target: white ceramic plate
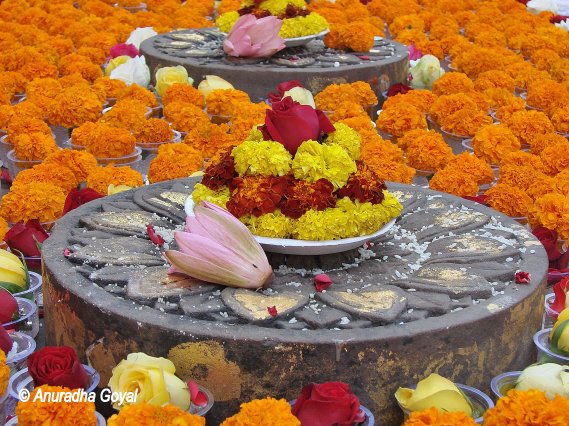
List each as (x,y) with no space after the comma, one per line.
(308,247)
(301,41)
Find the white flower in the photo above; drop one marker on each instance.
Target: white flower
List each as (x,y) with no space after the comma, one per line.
(134,71)
(551,378)
(538,6)
(425,72)
(139,35)
(564,25)
(300,95)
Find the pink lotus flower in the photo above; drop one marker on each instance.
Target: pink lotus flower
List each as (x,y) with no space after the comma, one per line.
(254,38)
(217,248)
(123,49)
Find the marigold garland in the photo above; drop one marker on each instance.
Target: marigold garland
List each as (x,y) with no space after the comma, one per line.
(37,200)
(34,412)
(101,177)
(151,415)
(433,417)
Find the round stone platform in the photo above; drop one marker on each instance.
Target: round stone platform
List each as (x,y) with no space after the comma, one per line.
(435,295)
(200,51)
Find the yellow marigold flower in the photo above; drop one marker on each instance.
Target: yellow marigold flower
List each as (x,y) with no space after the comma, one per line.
(203,193)
(528,408)
(555,157)
(400,119)
(478,169)
(465,122)
(254,135)
(226,102)
(185,117)
(4,369)
(186,93)
(347,138)
(208,138)
(272,225)
(428,152)
(33,146)
(140,94)
(40,200)
(277,7)
(493,142)
(301,26)
(433,417)
(453,82)
(314,161)
(226,20)
(154,130)
(509,200)
(101,177)
(152,415)
(526,124)
(263,411)
(266,158)
(494,79)
(49,173)
(112,87)
(74,106)
(81,163)
(35,412)
(174,162)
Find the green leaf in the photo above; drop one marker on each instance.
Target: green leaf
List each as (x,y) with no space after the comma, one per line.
(25,266)
(11,287)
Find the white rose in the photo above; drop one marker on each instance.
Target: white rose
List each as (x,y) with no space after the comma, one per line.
(139,35)
(134,71)
(553,379)
(538,6)
(564,25)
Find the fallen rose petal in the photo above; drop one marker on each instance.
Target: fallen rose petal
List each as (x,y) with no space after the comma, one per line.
(272,311)
(322,282)
(67,252)
(522,277)
(154,237)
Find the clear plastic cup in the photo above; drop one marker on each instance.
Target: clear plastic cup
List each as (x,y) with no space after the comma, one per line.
(15,165)
(121,161)
(202,410)
(5,147)
(549,315)
(544,352)
(23,347)
(480,402)
(504,382)
(369,417)
(421,177)
(454,141)
(34,290)
(153,146)
(100,420)
(28,321)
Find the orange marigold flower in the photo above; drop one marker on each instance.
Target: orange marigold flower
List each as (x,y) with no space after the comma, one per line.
(393,171)
(33,146)
(347,110)
(521,158)
(406,22)
(335,94)
(88,70)
(521,177)
(433,417)
(37,200)
(555,157)
(101,177)
(558,70)
(494,79)
(81,163)
(493,142)
(546,95)
(40,88)
(528,408)
(420,99)
(401,118)
(428,152)
(542,185)
(73,80)
(12,82)
(544,58)
(241,127)
(49,173)
(174,162)
(6,113)
(112,87)
(4,369)
(476,60)
(446,105)
(356,36)
(381,150)
(95,55)
(499,97)
(105,141)
(478,169)
(19,125)
(452,82)
(561,183)
(154,130)
(256,195)
(137,93)
(509,200)
(209,138)
(35,411)
(185,93)
(465,122)
(152,415)
(254,112)
(560,119)
(127,113)
(226,101)
(539,142)
(504,113)
(184,117)
(526,124)
(74,106)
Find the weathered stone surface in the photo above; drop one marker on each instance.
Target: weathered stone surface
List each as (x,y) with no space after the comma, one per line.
(123,223)
(152,283)
(323,319)
(434,303)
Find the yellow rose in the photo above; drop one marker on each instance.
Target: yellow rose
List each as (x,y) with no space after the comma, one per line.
(115,189)
(213,82)
(167,76)
(113,63)
(300,95)
(434,391)
(153,379)
(13,275)
(559,335)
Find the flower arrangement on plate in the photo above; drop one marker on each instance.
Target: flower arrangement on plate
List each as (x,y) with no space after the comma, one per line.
(299,177)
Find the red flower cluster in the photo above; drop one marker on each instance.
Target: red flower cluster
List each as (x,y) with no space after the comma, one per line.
(257,195)
(302,196)
(364,185)
(220,173)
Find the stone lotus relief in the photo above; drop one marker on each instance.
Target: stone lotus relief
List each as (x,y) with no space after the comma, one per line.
(424,268)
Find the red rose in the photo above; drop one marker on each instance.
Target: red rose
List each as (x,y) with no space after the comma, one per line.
(25,238)
(556,19)
(5,341)
(398,88)
(560,289)
(57,366)
(123,49)
(78,197)
(282,88)
(326,404)
(291,124)
(8,306)
(548,238)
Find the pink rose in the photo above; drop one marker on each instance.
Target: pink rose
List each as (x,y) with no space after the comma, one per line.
(254,38)
(123,49)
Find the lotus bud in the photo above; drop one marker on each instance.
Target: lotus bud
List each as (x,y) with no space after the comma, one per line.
(211,83)
(425,72)
(434,391)
(553,379)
